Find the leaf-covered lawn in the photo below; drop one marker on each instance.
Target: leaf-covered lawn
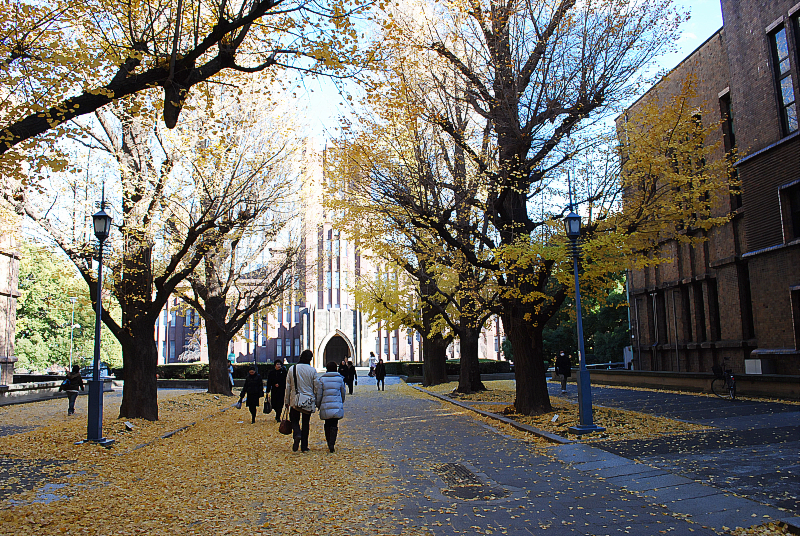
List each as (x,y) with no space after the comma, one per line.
(619,424)
(222,475)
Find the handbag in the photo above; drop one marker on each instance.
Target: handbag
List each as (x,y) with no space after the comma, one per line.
(64,385)
(285,427)
(302,401)
(267,406)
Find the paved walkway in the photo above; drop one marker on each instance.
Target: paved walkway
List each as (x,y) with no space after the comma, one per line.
(753,452)
(459,475)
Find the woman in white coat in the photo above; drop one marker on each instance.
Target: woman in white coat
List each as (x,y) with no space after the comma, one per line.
(330,399)
(300,398)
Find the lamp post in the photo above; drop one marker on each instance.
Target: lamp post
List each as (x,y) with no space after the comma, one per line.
(94,430)
(572,223)
(73,299)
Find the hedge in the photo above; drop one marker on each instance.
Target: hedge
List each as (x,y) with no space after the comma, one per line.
(414,368)
(199,371)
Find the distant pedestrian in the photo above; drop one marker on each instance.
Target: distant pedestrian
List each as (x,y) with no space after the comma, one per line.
(330,399)
(253,389)
(230,373)
(380,375)
(71,384)
(564,369)
(276,387)
(352,376)
(373,362)
(342,369)
(301,384)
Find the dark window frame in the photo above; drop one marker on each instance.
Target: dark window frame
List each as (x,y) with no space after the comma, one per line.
(789,122)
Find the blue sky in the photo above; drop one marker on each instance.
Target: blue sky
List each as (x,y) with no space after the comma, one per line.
(705,19)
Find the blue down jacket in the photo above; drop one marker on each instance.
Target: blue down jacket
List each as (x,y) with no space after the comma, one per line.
(330,396)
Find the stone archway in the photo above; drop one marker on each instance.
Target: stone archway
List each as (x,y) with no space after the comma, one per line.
(336,350)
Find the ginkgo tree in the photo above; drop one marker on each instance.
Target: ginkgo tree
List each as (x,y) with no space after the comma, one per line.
(539,78)
(247,269)
(169,219)
(60,59)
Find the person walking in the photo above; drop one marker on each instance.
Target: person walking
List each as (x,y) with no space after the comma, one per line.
(380,375)
(253,389)
(342,369)
(330,399)
(373,362)
(352,376)
(276,387)
(564,369)
(301,385)
(71,384)
(230,374)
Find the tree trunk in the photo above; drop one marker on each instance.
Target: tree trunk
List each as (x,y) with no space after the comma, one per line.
(469,379)
(532,397)
(218,341)
(434,363)
(139,361)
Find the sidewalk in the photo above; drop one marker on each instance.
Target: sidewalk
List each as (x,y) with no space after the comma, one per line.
(459,475)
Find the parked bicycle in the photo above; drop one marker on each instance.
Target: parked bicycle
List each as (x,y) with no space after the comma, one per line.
(724,383)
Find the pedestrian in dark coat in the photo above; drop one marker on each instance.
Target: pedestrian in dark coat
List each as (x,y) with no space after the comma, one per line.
(342,369)
(254,390)
(564,369)
(352,376)
(71,385)
(380,375)
(276,386)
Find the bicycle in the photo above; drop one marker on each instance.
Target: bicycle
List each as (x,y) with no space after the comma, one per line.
(724,383)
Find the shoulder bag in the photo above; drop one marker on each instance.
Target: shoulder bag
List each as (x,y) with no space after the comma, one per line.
(285,427)
(302,401)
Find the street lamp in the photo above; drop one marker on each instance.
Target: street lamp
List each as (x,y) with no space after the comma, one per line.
(572,222)
(102,227)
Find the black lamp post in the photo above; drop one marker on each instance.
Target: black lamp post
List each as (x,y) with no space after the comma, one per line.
(572,223)
(102,227)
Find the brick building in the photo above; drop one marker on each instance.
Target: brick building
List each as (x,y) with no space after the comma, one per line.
(737,295)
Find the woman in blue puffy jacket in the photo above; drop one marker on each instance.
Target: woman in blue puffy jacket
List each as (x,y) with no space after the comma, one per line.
(330,401)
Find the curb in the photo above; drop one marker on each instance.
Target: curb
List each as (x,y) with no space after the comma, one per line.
(519,426)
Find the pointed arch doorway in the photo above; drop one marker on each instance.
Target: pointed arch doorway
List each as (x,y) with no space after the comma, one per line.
(336,350)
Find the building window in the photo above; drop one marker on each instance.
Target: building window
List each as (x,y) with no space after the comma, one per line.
(296,313)
(297,347)
(783,79)
(790,210)
(263,333)
(386,345)
(795,298)
(280,314)
(327,280)
(288,347)
(336,280)
(171,351)
(279,347)
(377,345)
(394,344)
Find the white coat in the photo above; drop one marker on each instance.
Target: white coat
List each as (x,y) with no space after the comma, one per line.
(330,395)
(306,383)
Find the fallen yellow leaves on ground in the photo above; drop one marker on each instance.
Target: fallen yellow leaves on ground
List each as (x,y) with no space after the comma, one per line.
(221,475)
(619,424)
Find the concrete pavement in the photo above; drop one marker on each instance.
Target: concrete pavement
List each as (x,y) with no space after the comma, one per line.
(459,475)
